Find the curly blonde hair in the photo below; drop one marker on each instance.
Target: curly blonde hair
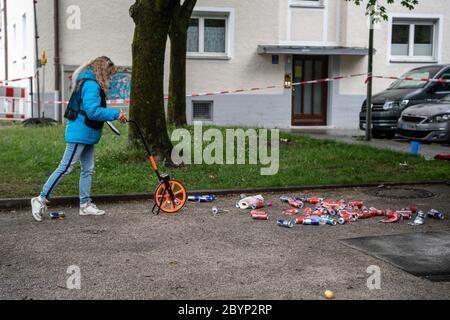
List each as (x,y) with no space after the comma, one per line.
(103,69)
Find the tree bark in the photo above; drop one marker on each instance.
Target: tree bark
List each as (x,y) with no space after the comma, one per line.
(178,47)
(152,20)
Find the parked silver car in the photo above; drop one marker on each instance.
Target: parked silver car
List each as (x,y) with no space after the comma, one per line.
(429,122)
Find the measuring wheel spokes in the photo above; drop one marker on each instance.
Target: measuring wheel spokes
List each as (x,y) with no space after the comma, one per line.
(170,196)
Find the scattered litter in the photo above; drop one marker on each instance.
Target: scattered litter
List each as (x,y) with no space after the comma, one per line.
(285,223)
(259,215)
(435,214)
(392,217)
(215,210)
(296,203)
(57,215)
(329,294)
(290,212)
(258,205)
(205,198)
(419,220)
(248,202)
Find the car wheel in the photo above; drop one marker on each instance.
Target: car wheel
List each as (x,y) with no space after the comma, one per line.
(390,135)
(377,134)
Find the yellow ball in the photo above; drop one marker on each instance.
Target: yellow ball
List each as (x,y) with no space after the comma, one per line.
(329,294)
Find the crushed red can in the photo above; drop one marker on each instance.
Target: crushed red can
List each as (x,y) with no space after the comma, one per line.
(307,211)
(405,214)
(259,215)
(392,217)
(314,200)
(290,212)
(258,205)
(364,215)
(412,209)
(296,203)
(356,204)
(377,213)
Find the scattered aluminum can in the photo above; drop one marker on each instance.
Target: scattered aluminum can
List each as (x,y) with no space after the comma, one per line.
(296,203)
(314,200)
(377,213)
(285,223)
(435,214)
(307,211)
(412,209)
(419,220)
(405,214)
(290,212)
(258,205)
(392,217)
(344,219)
(206,198)
(327,220)
(215,210)
(311,221)
(259,215)
(56,215)
(356,204)
(302,198)
(364,215)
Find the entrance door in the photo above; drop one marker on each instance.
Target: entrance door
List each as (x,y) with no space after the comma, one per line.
(309,102)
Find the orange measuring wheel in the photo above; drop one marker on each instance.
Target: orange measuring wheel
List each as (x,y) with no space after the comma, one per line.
(170,195)
(165,201)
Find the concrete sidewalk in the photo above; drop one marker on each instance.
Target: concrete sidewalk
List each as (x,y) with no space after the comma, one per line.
(357,137)
(131,254)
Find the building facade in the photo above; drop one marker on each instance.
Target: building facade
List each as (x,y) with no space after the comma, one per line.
(236,44)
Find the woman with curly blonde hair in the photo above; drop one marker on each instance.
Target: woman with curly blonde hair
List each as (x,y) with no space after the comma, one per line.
(86,115)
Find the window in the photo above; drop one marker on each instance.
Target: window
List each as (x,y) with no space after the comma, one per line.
(414,40)
(202,110)
(307,3)
(24,35)
(14,43)
(209,36)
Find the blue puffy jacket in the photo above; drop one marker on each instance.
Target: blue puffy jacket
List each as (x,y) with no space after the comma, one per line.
(77,131)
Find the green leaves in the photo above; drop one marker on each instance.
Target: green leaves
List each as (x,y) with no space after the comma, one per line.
(378,12)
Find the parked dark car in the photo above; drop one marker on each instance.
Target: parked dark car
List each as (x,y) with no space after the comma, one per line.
(426,122)
(401,94)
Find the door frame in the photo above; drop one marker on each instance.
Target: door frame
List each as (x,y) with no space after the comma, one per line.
(302,120)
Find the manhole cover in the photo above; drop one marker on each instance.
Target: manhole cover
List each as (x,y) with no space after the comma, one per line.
(402,193)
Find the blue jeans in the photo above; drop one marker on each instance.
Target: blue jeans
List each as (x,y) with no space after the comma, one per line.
(73,153)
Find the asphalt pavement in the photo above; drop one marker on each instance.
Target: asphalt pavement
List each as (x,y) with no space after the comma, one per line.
(132,254)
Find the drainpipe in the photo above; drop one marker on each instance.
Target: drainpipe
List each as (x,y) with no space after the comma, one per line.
(57,56)
(36,38)
(5,21)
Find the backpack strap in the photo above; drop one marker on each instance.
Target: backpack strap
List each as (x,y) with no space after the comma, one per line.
(79,87)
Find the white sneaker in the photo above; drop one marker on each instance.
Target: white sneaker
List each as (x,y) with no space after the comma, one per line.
(90,209)
(38,208)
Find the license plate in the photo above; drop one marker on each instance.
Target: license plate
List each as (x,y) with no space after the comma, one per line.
(409,126)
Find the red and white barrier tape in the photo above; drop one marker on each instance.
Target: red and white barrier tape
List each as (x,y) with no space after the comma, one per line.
(12,116)
(224,92)
(329,79)
(14,80)
(410,79)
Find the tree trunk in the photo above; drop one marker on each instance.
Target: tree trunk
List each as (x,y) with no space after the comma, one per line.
(178,47)
(152,19)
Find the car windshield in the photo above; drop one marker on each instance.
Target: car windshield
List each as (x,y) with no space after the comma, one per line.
(426,72)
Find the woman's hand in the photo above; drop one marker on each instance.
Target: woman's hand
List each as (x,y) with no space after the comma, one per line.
(122,117)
